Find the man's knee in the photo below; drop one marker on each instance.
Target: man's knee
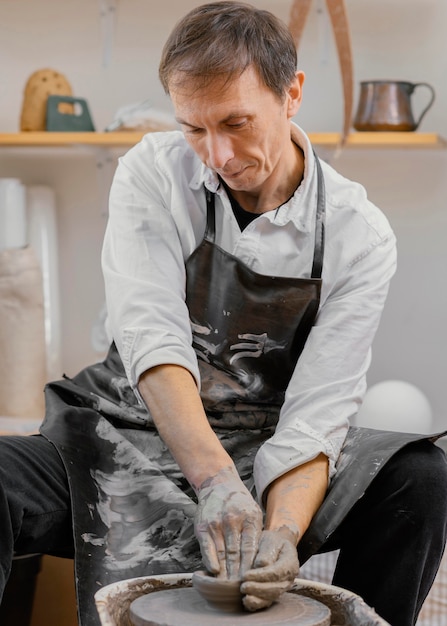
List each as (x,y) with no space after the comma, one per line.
(417,477)
(35,507)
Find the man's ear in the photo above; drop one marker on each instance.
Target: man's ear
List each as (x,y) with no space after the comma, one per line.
(295,94)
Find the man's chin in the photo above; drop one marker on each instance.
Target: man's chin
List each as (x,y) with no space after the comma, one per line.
(240,182)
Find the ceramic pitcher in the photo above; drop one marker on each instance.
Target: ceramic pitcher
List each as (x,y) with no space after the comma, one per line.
(385,105)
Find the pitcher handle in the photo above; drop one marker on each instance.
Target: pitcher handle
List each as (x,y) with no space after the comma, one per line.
(432,99)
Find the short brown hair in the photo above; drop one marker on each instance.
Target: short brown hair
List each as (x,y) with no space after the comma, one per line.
(225,38)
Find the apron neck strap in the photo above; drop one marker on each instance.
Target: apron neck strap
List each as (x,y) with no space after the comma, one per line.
(317,265)
(210,231)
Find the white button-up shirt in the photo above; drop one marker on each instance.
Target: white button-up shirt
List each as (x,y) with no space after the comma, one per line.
(157,219)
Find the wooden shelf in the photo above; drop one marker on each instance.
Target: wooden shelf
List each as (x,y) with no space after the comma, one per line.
(127,139)
(382,140)
(51,139)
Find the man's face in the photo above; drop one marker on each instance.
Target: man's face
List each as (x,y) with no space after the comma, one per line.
(240,129)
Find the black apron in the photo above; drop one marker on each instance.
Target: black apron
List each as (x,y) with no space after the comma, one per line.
(248,328)
(133,510)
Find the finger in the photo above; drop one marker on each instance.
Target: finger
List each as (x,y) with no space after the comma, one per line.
(267,591)
(274,562)
(209,553)
(264,574)
(253,603)
(247,557)
(220,550)
(233,552)
(251,534)
(268,551)
(274,572)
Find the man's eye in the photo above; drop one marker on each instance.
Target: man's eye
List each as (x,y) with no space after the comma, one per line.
(237,124)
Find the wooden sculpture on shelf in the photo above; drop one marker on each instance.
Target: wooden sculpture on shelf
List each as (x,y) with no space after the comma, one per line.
(40,85)
(340,26)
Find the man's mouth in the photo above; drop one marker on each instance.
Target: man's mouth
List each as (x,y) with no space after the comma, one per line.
(232,175)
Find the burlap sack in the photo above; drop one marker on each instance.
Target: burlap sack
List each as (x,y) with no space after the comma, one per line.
(40,85)
(22,334)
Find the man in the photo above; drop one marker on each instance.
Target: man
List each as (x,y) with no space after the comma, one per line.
(245,281)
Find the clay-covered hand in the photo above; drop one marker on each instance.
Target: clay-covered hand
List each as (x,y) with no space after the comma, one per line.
(274,570)
(228,524)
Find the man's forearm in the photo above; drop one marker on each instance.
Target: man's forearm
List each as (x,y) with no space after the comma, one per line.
(173,399)
(172,396)
(293,499)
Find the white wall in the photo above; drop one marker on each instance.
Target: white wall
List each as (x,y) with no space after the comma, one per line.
(396,39)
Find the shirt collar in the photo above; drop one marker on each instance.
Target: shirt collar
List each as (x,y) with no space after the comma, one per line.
(204,176)
(300,209)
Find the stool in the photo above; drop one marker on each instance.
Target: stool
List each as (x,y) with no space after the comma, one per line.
(17,604)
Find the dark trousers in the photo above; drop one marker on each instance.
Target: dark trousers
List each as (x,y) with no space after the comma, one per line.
(391,542)
(35,512)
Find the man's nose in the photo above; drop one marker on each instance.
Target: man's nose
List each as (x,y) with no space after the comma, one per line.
(220,151)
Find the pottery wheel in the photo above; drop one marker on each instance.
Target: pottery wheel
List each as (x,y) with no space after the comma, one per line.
(185,607)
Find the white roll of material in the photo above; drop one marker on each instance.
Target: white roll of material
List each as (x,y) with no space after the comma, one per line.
(42,237)
(12,214)
(22,336)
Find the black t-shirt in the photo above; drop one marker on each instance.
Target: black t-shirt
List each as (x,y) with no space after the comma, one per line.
(242,216)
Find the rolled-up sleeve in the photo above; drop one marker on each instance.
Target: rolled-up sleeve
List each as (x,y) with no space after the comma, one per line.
(144,269)
(329,380)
